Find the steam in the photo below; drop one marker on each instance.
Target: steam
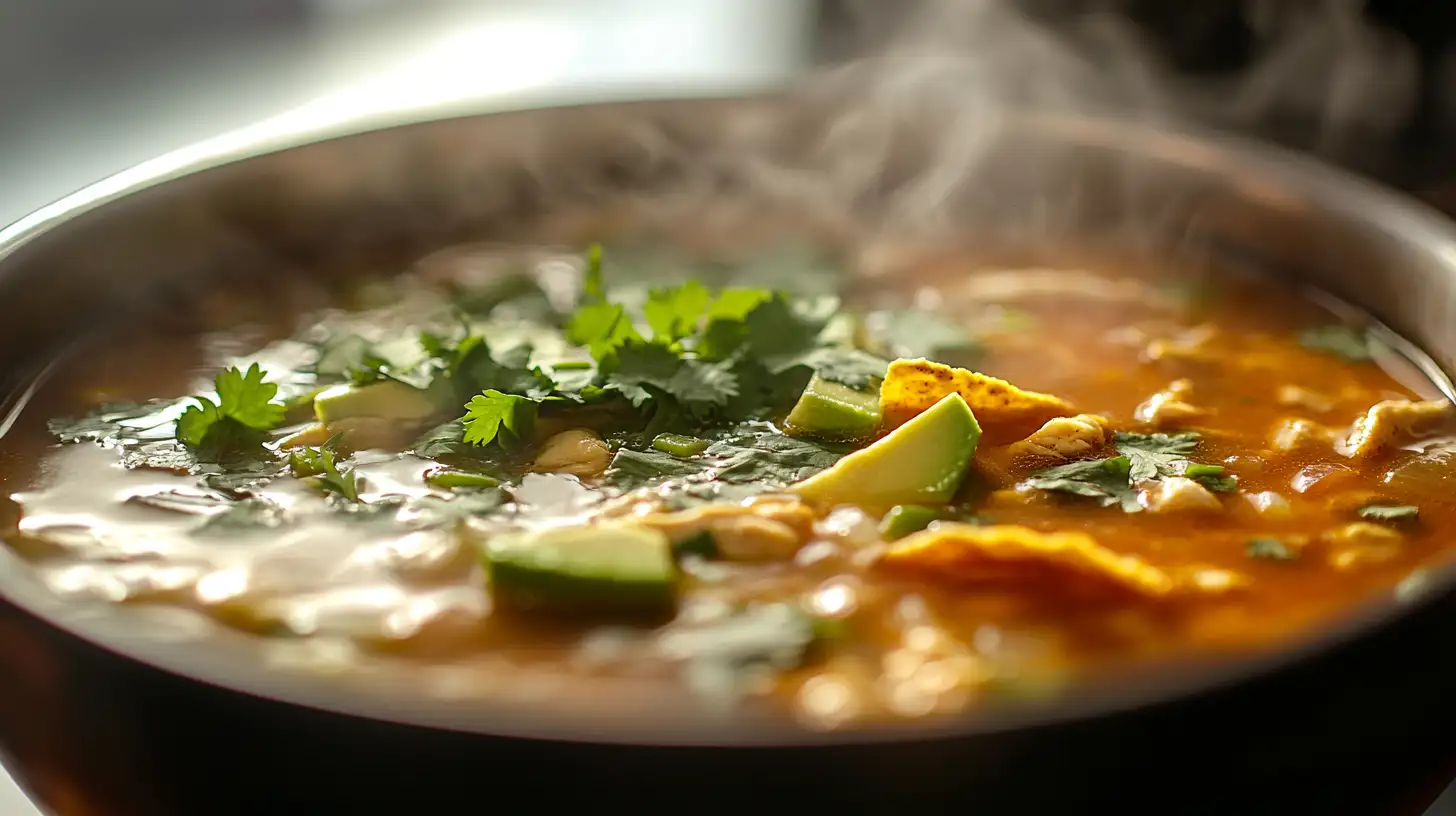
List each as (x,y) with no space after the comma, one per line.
(928,131)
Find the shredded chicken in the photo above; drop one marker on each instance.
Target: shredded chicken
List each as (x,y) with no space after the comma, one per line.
(1294,434)
(1392,423)
(1360,543)
(763,529)
(1169,408)
(1194,345)
(1176,494)
(1007,554)
(1294,396)
(1269,504)
(579,453)
(1065,437)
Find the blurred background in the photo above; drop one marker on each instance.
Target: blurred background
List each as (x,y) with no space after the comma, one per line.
(89,87)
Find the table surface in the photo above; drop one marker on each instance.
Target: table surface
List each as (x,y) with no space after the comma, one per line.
(455,57)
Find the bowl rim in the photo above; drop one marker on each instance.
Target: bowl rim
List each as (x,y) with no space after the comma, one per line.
(1095,699)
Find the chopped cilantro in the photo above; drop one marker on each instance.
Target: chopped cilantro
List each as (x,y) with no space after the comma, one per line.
(1152,455)
(1392,513)
(1142,457)
(322,465)
(638,369)
(591,286)
(752,453)
(1341,340)
(487,413)
(601,327)
(244,409)
(1104,480)
(1269,549)
(674,313)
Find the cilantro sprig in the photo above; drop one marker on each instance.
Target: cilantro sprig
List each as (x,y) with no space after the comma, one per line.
(688,356)
(243,411)
(1112,481)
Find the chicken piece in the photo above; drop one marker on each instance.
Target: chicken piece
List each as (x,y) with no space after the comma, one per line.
(579,453)
(1007,554)
(1175,494)
(1169,408)
(1269,504)
(1212,580)
(765,529)
(1294,396)
(1318,480)
(1295,434)
(1392,423)
(1065,438)
(1193,346)
(1361,542)
(1006,413)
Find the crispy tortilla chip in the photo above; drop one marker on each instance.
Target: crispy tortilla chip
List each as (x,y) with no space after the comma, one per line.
(1006,413)
(1008,554)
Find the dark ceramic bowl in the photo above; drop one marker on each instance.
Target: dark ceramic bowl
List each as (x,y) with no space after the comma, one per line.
(98,711)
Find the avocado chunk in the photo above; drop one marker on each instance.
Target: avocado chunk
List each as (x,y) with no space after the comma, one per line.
(386,399)
(832,411)
(607,569)
(923,461)
(904,519)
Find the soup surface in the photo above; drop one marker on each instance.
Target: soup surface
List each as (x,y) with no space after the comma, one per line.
(605,480)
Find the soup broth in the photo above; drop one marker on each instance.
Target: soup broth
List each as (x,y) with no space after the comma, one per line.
(607,478)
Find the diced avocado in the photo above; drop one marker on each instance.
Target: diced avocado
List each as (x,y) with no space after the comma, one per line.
(904,519)
(923,461)
(607,569)
(829,410)
(679,445)
(386,399)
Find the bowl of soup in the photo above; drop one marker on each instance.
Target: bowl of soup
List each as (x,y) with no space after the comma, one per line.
(529,446)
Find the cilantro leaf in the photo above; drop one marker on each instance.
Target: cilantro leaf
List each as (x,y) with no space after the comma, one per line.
(1269,549)
(488,413)
(674,313)
(734,303)
(322,465)
(1212,477)
(1152,455)
(600,327)
(235,421)
(641,370)
(1340,340)
(591,286)
(1393,513)
(753,454)
(773,329)
(247,399)
(846,366)
(1105,480)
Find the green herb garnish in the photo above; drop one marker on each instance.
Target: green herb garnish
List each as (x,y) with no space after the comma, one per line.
(1141,458)
(243,411)
(488,413)
(322,465)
